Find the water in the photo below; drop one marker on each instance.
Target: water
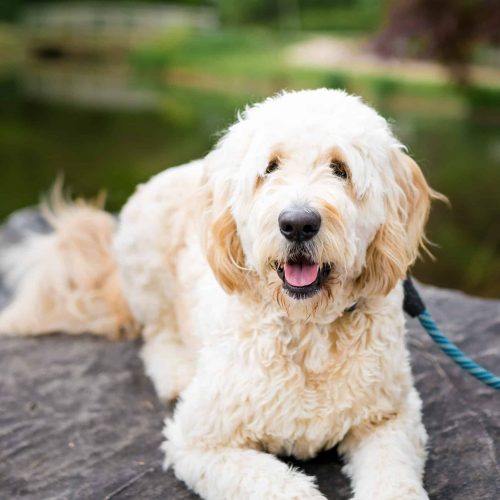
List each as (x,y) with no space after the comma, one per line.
(104,128)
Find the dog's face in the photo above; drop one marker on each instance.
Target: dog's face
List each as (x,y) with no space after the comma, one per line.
(313,203)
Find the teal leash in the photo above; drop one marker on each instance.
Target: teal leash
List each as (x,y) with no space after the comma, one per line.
(414,306)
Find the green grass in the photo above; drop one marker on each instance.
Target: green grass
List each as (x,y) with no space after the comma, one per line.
(445,126)
(363,18)
(251,55)
(452,133)
(10,47)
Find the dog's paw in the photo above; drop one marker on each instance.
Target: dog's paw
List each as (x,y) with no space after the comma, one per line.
(171,388)
(413,492)
(169,366)
(297,487)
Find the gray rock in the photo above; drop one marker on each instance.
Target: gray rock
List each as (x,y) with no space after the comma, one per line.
(79,420)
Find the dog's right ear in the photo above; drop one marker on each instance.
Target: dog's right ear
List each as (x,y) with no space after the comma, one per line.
(223,250)
(221,241)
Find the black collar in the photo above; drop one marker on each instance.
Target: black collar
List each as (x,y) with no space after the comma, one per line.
(413,304)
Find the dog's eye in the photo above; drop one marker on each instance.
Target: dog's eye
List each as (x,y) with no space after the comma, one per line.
(339,169)
(272,166)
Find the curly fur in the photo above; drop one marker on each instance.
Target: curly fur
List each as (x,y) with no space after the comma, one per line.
(259,372)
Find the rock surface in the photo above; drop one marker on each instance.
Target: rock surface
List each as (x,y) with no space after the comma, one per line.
(79,420)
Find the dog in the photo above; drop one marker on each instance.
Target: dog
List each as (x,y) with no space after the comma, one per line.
(266,282)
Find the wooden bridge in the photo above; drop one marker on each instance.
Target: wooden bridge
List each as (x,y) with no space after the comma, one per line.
(56,29)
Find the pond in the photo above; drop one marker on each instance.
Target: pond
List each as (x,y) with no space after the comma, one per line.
(108,129)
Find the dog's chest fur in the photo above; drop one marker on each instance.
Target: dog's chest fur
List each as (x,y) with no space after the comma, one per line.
(302,386)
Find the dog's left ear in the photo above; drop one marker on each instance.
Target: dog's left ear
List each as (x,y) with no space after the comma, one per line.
(397,243)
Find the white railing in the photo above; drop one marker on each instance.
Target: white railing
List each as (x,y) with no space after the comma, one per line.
(112,19)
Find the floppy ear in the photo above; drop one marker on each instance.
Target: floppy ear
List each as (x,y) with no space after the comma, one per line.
(224,253)
(221,241)
(397,243)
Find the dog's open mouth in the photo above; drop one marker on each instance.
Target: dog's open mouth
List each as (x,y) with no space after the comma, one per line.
(302,278)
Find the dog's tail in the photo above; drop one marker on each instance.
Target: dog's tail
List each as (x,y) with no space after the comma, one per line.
(66,280)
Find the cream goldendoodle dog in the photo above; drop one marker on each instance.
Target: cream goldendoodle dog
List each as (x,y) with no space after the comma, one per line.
(266,282)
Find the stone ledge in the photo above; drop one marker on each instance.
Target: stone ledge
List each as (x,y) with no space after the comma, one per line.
(80,420)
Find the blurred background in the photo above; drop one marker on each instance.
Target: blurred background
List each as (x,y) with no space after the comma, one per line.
(112,92)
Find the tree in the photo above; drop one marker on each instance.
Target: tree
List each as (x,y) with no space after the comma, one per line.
(444,30)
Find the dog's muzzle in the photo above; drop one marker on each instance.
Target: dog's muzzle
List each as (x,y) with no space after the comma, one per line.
(302,278)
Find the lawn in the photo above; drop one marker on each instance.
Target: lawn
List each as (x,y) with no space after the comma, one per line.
(256,59)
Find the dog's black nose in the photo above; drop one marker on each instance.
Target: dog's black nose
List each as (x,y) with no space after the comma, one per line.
(299,224)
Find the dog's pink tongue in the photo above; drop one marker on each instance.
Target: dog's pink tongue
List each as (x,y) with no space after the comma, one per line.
(301,274)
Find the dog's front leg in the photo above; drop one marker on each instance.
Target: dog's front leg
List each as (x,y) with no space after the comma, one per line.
(242,474)
(168,362)
(386,460)
(226,472)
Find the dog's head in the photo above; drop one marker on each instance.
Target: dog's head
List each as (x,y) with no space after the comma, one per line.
(313,203)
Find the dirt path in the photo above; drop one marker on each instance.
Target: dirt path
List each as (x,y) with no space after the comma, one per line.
(352,56)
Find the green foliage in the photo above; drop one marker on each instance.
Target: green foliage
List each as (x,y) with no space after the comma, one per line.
(481,97)
(342,16)
(114,150)
(445,125)
(257,54)
(119,149)
(248,12)
(448,31)
(176,2)
(10,10)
